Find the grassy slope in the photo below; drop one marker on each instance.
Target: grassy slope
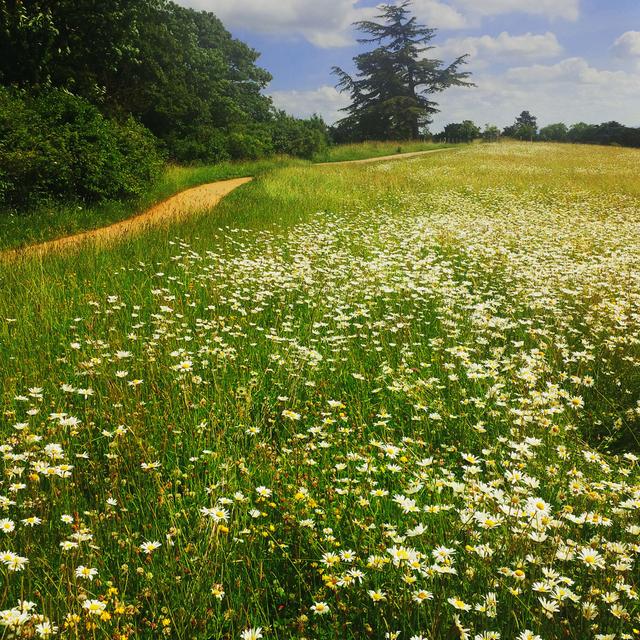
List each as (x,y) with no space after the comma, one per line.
(280,263)
(375,149)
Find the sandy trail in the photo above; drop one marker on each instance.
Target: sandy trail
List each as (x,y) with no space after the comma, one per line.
(177,207)
(395,156)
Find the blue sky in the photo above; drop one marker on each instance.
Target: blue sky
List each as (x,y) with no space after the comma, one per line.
(564,60)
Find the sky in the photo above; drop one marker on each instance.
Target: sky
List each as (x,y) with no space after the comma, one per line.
(562,60)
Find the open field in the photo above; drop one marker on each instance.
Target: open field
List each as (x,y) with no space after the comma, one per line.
(352,401)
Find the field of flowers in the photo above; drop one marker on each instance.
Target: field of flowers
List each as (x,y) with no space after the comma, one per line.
(389,401)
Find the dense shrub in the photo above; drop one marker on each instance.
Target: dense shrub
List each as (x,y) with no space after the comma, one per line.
(281,134)
(249,143)
(199,143)
(301,138)
(57,145)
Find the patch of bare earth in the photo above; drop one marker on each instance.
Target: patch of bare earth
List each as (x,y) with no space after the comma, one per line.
(177,207)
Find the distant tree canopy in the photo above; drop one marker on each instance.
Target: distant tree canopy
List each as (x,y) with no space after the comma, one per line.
(465,131)
(610,133)
(607,133)
(524,128)
(557,131)
(391,93)
(176,71)
(491,133)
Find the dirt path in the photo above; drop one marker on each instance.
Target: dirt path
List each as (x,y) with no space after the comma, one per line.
(395,156)
(177,207)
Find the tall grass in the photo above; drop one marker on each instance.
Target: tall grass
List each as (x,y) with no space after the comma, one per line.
(375,149)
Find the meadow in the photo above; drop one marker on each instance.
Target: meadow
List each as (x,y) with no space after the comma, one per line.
(396,400)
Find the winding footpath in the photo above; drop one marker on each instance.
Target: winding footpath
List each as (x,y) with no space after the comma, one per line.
(177,207)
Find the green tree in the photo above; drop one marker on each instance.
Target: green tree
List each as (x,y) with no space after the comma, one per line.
(391,94)
(77,45)
(177,71)
(296,137)
(491,133)
(556,132)
(465,131)
(524,128)
(611,133)
(195,86)
(581,132)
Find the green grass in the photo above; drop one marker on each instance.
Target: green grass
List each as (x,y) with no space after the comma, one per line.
(56,220)
(375,149)
(449,341)
(61,219)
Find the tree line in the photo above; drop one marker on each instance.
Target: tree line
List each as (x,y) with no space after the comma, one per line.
(95,95)
(525,127)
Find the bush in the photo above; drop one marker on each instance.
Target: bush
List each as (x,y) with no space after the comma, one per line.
(300,138)
(248,144)
(57,145)
(202,143)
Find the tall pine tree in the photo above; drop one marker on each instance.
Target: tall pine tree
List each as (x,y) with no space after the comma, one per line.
(391,94)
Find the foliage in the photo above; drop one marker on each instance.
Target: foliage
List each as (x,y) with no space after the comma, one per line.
(177,71)
(57,145)
(391,95)
(491,133)
(554,132)
(75,45)
(466,131)
(524,128)
(195,87)
(296,137)
(608,133)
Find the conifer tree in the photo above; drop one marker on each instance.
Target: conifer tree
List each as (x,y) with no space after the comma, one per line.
(391,94)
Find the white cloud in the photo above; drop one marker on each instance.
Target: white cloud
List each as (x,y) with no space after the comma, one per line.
(505,46)
(325,100)
(627,45)
(568,91)
(552,9)
(327,23)
(439,15)
(324,23)
(574,71)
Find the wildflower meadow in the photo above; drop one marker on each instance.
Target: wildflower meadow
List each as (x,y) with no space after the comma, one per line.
(395,400)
